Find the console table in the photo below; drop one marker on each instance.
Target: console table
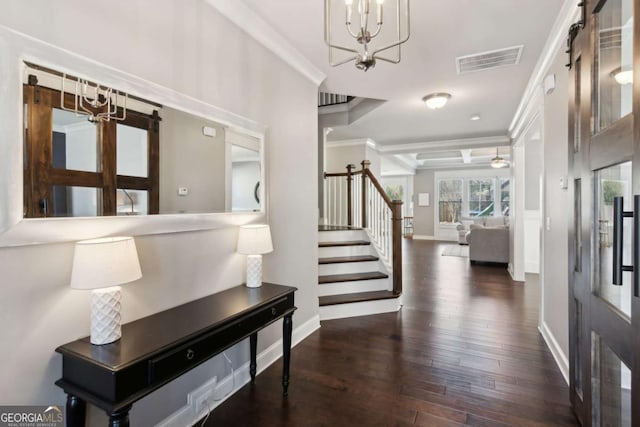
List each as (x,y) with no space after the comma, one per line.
(159,348)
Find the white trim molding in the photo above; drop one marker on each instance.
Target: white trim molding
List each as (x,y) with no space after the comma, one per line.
(251,23)
(447,145)
(569,13)
(352,143)
(561,359)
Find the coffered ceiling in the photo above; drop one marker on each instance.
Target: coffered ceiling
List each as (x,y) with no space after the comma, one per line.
(441,31)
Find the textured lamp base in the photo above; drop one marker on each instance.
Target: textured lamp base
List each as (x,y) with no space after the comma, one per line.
(105,315)
(254,271)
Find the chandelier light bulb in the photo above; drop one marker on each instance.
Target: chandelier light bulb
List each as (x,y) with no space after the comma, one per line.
(380,2)
(348,2)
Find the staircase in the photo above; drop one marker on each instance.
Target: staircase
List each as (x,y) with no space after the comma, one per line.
(352,280)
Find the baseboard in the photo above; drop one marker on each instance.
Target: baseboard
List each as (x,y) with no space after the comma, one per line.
(419,237)
(532,267)
(187,416)
(556,351)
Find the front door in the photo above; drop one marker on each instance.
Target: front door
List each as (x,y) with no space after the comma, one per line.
(604,303)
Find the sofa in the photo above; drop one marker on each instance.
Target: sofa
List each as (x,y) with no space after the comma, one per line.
(464,226)
(488,243)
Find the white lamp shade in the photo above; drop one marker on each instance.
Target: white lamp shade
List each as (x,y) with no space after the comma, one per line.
(254,240)
(101,263)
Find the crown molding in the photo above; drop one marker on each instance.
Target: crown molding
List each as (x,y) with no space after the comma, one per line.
(353,143)
(569,13)
(448,144)
(250,22)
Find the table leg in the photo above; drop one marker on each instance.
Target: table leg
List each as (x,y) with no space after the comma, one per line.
(253,344)
(119,418)
(76,411)
(287,325)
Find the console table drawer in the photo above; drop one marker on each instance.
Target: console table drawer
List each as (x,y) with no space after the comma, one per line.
(198,350)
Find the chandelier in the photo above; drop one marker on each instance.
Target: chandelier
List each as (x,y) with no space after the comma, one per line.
(365,56)
(89,97)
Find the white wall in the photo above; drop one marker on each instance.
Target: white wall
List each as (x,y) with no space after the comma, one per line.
(180,48)
(555,315)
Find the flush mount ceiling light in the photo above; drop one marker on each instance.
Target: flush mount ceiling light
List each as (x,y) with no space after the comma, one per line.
(498,162)
(475,117)
(623,76)
(364,57)
(436,100)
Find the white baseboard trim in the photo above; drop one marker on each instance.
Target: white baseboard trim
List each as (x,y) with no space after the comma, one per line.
(532,267)
(365,308)
(187,416)
(419,237)
(556,351)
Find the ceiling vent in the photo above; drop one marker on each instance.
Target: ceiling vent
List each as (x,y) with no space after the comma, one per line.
(489,60)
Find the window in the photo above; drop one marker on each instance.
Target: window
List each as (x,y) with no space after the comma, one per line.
(472,197)
(505,191)
(481,197)
(450,200)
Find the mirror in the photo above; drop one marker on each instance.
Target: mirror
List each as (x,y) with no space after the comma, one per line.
(147,159)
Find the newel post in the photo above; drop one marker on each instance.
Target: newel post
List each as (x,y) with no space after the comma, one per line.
(396,223)
(350,167)
(365,169)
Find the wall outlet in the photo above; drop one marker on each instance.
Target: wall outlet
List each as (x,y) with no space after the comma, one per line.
(201,399)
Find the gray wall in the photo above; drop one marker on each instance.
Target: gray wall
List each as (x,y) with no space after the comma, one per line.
(532,170)
(339,157)
(424,182)
(556,206)
(180,48)
(190,159)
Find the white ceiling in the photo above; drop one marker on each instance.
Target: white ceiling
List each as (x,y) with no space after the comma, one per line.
(441,30)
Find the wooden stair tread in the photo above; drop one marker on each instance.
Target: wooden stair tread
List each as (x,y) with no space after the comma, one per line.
(337,228)
(344,243)
(343,259)
(356,297)
(351,277)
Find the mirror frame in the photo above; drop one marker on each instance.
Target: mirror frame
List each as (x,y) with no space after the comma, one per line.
(15,230)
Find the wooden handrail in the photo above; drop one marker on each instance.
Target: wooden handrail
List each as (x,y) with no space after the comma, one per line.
(330,175)
(395,206)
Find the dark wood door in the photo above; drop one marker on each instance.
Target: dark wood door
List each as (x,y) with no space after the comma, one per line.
(604,309)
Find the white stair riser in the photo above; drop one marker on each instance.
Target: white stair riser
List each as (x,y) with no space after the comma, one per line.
(353,287)
(341,311)
(335,251)
(350,267)
(341,236)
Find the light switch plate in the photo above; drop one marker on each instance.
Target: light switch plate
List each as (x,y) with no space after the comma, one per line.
(183,191)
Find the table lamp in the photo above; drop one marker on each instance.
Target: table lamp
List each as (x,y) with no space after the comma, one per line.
(102,265)
(253,241)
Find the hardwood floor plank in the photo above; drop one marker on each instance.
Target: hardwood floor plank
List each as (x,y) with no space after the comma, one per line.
(463,351)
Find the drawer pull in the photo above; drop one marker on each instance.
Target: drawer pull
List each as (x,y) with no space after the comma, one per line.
(190,354)
(273,311)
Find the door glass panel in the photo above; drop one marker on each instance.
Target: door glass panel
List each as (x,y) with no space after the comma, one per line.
(74,142)
(611,386)
(614,181)
(132,202)
(75,201)
(577,226)
(614,59)
(132,151)
(577,380)
(577,122)
(505,191)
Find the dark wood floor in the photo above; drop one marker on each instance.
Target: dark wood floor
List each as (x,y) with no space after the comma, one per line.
(464,350)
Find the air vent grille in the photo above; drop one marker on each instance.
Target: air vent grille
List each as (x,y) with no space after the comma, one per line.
(489,60)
